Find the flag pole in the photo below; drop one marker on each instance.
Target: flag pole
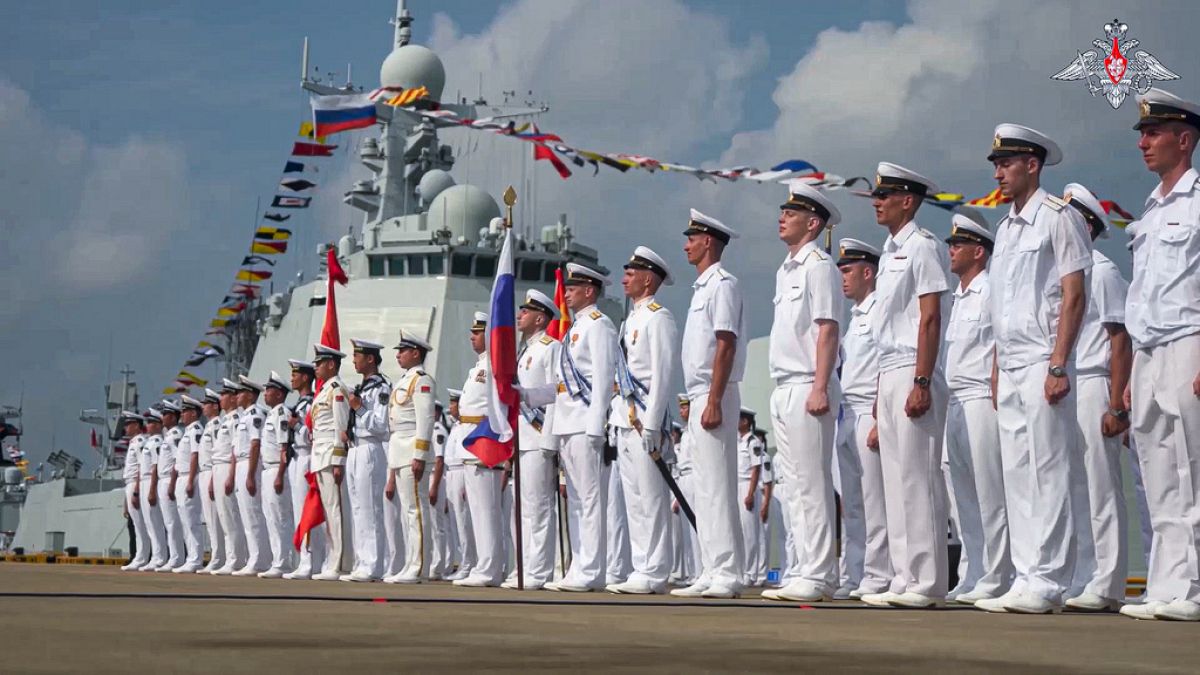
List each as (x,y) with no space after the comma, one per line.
(510,198)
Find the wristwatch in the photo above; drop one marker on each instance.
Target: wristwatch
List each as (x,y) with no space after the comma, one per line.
(1058,371)
(921,381)
(1121,415)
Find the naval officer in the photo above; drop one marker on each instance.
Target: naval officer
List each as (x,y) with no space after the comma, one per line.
(1041,260)
(299,465)
(276,495)
(439,529)
(751,453)
(456,493)
(247,450)
(914,305)
(330,426)
(366,467)
(714,359)
(224,479)
(149,478)
(645,364)
(208,498)
(803,354)
(132,474)
(1163,318)
(187,497)
(166,477)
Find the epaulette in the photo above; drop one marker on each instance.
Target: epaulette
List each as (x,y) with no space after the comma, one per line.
(595,315)
(546,339)
(1054,202)
(924,233)
(654,307)
(334,384)
(420,373)
(722,273)
(815,253)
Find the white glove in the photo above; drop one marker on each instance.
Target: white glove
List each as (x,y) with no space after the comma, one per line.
(651,439)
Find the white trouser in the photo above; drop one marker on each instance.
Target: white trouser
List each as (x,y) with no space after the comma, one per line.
(1166,426)
(312,551)
(254,526)
(1104,523)
(278,518)
(172,528)
(438,529)
(692,567)
(977,479)
(456,493)
(415,518)
(539,492)
(483,487)
(1139,490)
(212,521)
(751,530)
(229,516)
(152,513)
(508,527)
(366,476)
(141,534)
(648,507)
(847,476)
(338,556)
(910,458)
(714,477)
(804,458)
(189,510)
(779,532)
(587,494)
(619,553)
(1037,441)
(877,571)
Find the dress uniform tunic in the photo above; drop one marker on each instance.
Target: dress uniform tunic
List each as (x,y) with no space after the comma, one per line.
(248,431)
(225,489)
(208,501)
(153,512)
(482,485)
(456,497)
(190,515)
(172,525)
(406,515)
(277,506)
(366,475)
(330,419)
(312,551)
(132,475)
(539,483)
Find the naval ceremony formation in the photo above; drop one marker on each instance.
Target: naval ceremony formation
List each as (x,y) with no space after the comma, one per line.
(987,382)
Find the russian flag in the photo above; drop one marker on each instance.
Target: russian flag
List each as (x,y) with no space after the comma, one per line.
(342,112)
(492,439)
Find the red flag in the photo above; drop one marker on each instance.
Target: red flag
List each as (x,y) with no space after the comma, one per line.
(559,327)
(95,441)
(540,151)
(313,150)
(1109,206)
(312,515)
(330,335)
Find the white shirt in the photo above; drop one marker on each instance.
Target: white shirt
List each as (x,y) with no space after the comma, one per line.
(1164,297)
(454,448)
(970,342)
(716,307)
(148,458)
(860,367)
(222,452)
(302,436)
(249,429)
(208,441)
(473,404)
(1035,249)
(166,453)
(914,263)
(591,343)
(371,419)
(807,289)
(274,435)
(189,444)
(649,339)
(1105,304)
(749,455)
(536,368)
(133,459)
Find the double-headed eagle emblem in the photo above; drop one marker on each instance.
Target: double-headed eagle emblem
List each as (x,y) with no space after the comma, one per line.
(1109,71)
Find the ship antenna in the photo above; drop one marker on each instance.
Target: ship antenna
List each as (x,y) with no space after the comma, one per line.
(403,23)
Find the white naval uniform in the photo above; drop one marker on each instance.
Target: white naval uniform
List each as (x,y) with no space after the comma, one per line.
(866,562)
(366,475)
(649,343)
(539,483)
(456,499)
(585,376)
(1035,248)
(254,526)
(766,533)
(482,485)
(689,552)
(224,474)
(166,498)
(132,475)
(441,557)
(190,514)
(208,502)
(330,419)
(913,264)
(716,306)
(406,515)
(619,556)
(750,453)
(1163,318)
(276,506)
(153,512)
(312,551)
(973,442)
(807,290)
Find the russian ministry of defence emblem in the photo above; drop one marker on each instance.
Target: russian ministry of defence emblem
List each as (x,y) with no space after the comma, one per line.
(1110,70)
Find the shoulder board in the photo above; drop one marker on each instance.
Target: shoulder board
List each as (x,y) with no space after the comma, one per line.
(1054,202)
(924,233)
(723,274)
(595,315)
(815,253)
(654,307)
(333,384)
(546,339)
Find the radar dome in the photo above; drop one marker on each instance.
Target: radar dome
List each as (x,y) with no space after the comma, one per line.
(432,184)
(414,66)
(462,209)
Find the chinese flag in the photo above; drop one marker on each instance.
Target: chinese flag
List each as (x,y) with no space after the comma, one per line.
(312,515)
(559,327)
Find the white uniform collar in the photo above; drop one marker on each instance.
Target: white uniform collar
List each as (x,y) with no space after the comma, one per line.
(1030,209)
(897,240)
(707,275)
(586,310)
(643,302)
(483,358)
(535,337)
(801,254)
(1185,184)
(974,287)
(865,306)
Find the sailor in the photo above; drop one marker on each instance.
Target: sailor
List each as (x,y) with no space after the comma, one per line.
(366,467)
(187,491)
(204,482)
(330,426)
(151,509)
(456,494)
(750,453)
(441,557)
(766,490)
(618,554)
(1042,256)
(132,473)
(803,354)
(584,378)
(640,419)
(298,466)
(914,305)
(166,476)
(714,359)
(1163,318)
(482,483)
(247,448)
(679,574)
(410,449)
(276,494)
(224,479)
(685,468)
(536,362)
(866,563)
(972,445)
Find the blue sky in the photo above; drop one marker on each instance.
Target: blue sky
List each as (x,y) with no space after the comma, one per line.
(138,136)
